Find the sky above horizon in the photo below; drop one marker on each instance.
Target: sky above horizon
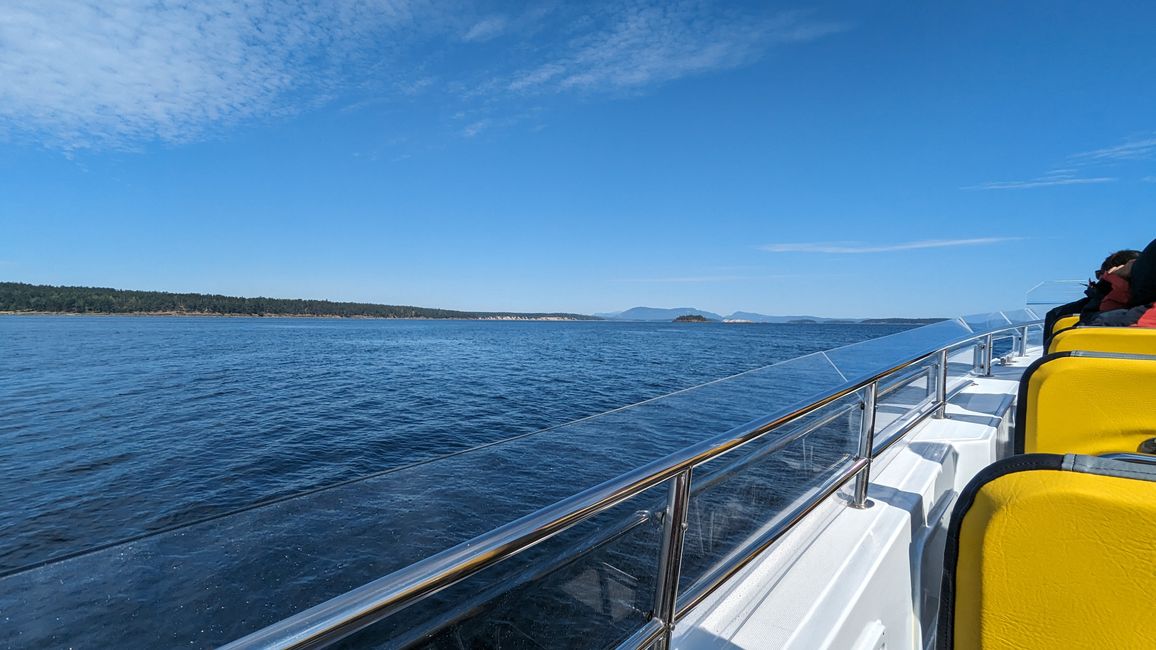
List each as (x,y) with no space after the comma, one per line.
(838,159)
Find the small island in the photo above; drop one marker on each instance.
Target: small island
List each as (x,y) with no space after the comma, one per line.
(692,318)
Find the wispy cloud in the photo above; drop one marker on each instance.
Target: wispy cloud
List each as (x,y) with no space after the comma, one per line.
(474,128)
(701,279)
(1148,179)
(412,87)
(645,43)
(1048,180)
(1084,168)
(94,74)
(476,123)
(722,279)
(111,72)
(1141,148)
(855,248)
(486,29)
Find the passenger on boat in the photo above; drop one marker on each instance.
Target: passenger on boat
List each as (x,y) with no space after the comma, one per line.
(1137,310)
(1112,289)
(1094,293)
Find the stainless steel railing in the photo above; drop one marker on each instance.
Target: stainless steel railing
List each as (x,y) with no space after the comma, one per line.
(360,608)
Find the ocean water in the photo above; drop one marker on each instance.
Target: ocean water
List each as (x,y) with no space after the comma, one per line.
(114,428)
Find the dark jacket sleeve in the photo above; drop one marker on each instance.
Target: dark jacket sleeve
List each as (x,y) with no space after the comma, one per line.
(1119,317)
(1144,276)
(1095,294)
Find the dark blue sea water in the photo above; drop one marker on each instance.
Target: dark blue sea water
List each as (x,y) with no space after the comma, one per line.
(113,427)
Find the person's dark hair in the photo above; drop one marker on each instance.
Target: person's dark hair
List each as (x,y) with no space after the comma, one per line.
(1118,258)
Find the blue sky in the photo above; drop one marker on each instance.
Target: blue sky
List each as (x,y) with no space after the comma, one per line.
(833,158)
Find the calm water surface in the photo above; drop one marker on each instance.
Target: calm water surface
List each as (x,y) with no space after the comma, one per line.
(117,426)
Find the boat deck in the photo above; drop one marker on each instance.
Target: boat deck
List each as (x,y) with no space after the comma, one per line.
(867,579)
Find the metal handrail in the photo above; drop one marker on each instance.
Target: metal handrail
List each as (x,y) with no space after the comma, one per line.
(771,533)
(360,608)
(572,554)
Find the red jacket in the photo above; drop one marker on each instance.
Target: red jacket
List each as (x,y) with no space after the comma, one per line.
(1120,295)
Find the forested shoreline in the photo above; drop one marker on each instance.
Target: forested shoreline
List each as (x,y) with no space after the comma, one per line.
(37,298)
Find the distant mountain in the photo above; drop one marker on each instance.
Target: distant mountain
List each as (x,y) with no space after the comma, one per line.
(763,318)
(660,314)
(900,321)
(655,313)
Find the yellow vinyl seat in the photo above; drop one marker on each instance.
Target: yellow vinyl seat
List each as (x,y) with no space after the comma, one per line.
(1047,552)
(1126,340)
(1065,322)
(1086,403)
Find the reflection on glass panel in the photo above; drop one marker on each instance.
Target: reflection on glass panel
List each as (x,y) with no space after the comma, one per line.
(900,395)
(869,357)
(590,587)
(186,586)
(960,363)
(739,497)
(202,588)
(981,323)
(1050,294)
(1003,345)
(1020,316)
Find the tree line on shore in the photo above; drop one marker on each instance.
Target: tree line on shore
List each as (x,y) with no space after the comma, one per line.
(20,297)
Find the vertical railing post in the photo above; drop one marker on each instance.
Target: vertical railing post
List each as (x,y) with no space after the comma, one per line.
(1023,342)
(866,445)
(941,385)
(988,354)
(670,560)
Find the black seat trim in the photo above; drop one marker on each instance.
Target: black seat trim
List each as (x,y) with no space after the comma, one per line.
(1022,400)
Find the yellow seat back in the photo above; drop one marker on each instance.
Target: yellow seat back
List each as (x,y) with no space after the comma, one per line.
(1127,340)
(1065,322)
(1048,552)
(1073,402)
